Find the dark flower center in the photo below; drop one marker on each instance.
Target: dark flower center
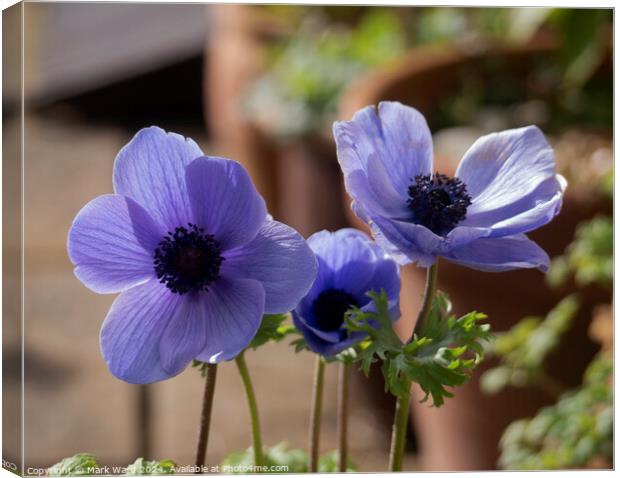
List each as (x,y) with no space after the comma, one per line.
(329,308)
(438,202)
(187,260)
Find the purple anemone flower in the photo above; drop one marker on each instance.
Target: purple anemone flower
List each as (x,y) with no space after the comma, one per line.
(187,241)
(504,187)
(350,264)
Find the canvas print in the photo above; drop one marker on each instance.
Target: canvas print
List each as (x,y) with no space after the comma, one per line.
(245,238)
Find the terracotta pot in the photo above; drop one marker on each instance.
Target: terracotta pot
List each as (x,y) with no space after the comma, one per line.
(464,433)
(234,58)
(299,179)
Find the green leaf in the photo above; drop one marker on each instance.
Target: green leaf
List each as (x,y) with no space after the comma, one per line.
(570,433)
(299,91)
(589,257)
(200,366)
(582,53)
(280,459)
(328,463)
(442,355)
(81,464)
(145,467)
(523,349)
(272,329)
(300,345)
(495,379)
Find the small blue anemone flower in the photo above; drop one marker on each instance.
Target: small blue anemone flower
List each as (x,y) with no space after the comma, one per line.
(187,241)
(350,264)
(505,186)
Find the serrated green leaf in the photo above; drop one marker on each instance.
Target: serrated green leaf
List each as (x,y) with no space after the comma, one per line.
(200,366)
(300,345)
(271,329)
(442,355)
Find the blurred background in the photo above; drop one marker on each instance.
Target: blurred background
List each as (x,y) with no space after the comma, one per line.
(262,85)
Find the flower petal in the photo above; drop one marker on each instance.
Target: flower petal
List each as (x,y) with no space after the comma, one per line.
(501,169)
(224,200)
(111,243)
(185,335)
(234,309)
(346,261)
(530,212)
(132,331)
(386,277)
(309,322)
(380,153)
(321,346)
(151,170)
(417,243)
(280,259)
(380,198)
(501,254)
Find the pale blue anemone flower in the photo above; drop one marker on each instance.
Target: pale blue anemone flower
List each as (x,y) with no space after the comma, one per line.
(505,186)
(187,241)
(350,264)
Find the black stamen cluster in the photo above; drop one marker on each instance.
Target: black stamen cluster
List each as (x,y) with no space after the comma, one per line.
(187,260)
(329,308)
(438,202)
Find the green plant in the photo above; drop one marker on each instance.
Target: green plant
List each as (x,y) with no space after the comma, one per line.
(523,349)
(299,92)
(572,432)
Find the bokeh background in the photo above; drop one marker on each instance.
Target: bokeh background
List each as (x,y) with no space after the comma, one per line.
(263,84)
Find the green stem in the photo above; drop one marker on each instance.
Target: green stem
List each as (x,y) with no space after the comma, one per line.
(205,419)
(249,391)
(144,421)
(429,294)
(401,415)
(399,430)
(315,414)
(343,398)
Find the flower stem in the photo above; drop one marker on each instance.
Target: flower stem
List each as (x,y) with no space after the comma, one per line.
(315,414)
(399,430)
(343,398)
(429,293)
(401,415)
(144,421)
(205,419)
(253,408)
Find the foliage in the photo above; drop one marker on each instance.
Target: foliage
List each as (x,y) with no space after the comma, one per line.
(331,47)
(81,464)
(288,460)
(523,349)
(443,355)
(577,430)
(298,94)
(561,90)
(589,258)
(272,329)
(569,434)
(85,464)
(581,54)
(145,467)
